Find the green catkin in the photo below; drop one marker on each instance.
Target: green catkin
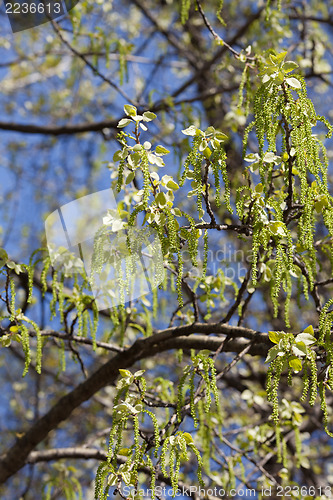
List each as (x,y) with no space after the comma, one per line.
(199,459)
(136,439)
(323,407)
(255,252)
(278,444)
(38,349)
(273,378)
(205,255)
(287,299)
(39,344)
(54,295)
(277,278)
(121,168)
(240,200)
(152,476)
(121,283)
(330,374)
(86,323)
(12,299)
(61,298)
(172,233)
(79,313)
(218,165)
(192,241)
(180,279)
(47,265)
(143,386)
(122,62)
(180,354)
(191,159)
(267,10)
(30,272)
(184,10)
(183,447)
(313,384)
(156,431)
(146,178)
(219,13)
(118,441)
(242,470)
(25,341)
(232,479)
(173,478)
(192,403)
(163,457)
(223,170)
(176,469)
(216,172)
(48,493)
(241,87)
(205,376)
(114,319)
(138,208)
(325,322)
(101,474)
(306,382)
(213,386)
(114,432)
(199,189)
(247,131)
(204,434)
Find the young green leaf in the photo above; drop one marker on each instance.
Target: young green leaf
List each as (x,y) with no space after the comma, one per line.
(130,110)
(293,82)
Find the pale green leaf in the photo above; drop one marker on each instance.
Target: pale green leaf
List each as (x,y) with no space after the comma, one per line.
(293,82)
(190,130)
(289,66)
(275,337)
(148,116)
(295,364)
(124,122)
(272,353)
(161,199)
(160,150)
(130,110)
(306,338)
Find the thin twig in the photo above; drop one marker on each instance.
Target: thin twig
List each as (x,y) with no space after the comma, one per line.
(88,63)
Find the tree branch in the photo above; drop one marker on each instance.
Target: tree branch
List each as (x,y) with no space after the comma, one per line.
(171,338)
